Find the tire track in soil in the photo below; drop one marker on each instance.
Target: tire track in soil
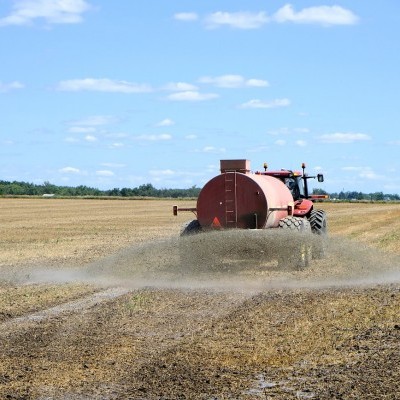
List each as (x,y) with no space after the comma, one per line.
(45,336)
(171,374)
(188,315)
(85,334)
(80,305)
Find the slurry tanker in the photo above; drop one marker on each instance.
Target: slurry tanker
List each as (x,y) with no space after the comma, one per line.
(270,199)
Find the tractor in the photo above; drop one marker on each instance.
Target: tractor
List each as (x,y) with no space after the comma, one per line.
(240,199)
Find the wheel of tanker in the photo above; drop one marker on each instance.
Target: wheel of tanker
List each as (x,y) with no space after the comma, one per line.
(296,250)
(187,247)
(319,228)
(191,228)
(195,255)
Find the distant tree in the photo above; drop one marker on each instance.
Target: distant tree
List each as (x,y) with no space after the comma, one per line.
(377,196)
(147,190)
(49,188)
(113,192)
(319,192)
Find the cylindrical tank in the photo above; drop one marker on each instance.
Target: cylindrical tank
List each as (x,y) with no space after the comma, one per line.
(243,200)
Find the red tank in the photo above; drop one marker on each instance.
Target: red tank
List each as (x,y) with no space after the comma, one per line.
(240,199)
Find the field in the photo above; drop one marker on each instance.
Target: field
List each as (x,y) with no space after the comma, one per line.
(96,303)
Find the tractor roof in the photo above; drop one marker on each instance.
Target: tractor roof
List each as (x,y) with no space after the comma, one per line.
(283,173)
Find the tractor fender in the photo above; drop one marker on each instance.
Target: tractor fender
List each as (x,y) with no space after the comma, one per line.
(302,207)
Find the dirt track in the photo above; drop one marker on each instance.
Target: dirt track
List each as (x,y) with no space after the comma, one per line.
(79,323)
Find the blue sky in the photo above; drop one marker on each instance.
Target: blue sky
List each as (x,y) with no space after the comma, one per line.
(120,93)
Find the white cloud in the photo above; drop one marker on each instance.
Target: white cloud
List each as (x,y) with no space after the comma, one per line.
(344,137)
(351,168)
(301,143)
(301,130)
(191,137)
(90,138)
(212,149)
(102,85)
(116,145)
(191,96)
(165,122)
(322,15)
(81,129)
(364,172)
(233,81)
(258,149)
(113,165)
(371,175)
(93,120)
(179,87)
(186,16)
(280,131)
(255,103)
(280,142)
(288,131)
(154,138)
(71,140)
(116,135)
(239,20)
(53,12)
(7,142)
(7,87)
(163,172)
(69,170)
(257,83)
(104,173)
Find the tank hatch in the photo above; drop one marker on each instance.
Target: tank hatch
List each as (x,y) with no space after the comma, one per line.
(242,166)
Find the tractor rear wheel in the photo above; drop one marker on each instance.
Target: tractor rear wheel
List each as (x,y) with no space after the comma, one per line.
(319,227)
(318,222)
(300,256)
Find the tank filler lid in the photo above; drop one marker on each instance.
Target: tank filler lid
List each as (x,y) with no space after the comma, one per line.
(242,166)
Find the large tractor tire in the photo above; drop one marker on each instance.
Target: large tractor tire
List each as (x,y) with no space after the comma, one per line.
(295,224)
(319,227)
(298,253)
(318,222)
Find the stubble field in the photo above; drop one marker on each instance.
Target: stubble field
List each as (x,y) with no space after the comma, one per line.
(100,299)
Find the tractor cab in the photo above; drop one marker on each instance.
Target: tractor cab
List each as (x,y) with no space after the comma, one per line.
(295,185)
(292,179)
(296,181)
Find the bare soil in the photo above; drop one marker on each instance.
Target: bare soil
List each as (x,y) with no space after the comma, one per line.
(100,299)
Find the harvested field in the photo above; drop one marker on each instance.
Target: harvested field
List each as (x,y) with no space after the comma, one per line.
(99,299)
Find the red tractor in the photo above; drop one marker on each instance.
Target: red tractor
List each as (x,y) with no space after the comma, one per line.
(241,199)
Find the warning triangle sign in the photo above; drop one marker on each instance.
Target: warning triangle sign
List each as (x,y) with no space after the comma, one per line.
(216,223)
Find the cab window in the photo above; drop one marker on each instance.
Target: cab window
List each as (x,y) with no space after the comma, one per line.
(295,186)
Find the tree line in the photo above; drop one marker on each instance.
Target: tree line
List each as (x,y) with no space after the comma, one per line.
(359,196)
(148,190)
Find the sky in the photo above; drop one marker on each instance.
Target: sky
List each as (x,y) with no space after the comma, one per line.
(113,94)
